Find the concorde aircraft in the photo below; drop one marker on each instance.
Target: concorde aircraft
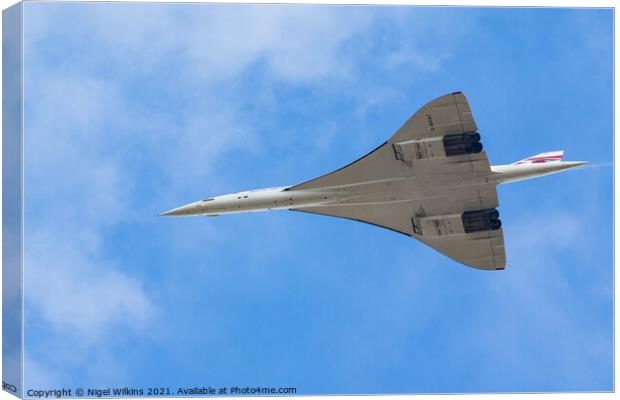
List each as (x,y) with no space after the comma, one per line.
(431,180)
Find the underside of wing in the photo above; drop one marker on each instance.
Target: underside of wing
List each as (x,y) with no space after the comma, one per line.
(393,216)
(377,165)
(462,224)
(446,115)
(440,133)
(482,250)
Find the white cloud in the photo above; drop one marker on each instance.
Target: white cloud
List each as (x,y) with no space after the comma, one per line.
(295,43)
(78,291)
(539,316)
(76,188)
(85,135)
(429,38)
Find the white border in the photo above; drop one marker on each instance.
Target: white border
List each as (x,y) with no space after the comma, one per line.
(480,3)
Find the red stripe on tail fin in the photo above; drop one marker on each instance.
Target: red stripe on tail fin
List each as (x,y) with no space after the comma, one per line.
(550,156)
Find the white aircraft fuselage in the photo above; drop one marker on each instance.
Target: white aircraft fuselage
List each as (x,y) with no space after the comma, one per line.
(376,192)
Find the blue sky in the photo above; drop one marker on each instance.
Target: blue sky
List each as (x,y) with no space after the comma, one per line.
(132,109)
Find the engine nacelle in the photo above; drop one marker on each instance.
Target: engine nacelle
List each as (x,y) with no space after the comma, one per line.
(482,220)
(457,224)
(438,147)
(466,143)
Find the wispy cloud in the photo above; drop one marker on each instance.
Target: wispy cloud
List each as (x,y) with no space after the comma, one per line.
(77,291)
(214,43)
(88,137)
(73,289)
(539,314)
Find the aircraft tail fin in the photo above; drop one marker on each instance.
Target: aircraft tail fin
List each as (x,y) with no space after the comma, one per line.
(549,156)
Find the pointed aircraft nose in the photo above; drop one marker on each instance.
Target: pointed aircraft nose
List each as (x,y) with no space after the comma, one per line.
(186,210)
(173,213)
